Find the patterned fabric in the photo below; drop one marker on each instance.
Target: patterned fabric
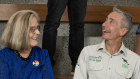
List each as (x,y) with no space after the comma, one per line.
(38,66)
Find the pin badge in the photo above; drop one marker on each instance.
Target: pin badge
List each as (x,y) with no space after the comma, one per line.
(36,63)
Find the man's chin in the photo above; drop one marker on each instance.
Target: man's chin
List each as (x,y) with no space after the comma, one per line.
(103,37)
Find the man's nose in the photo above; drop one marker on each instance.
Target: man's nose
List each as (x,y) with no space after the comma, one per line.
(104,24)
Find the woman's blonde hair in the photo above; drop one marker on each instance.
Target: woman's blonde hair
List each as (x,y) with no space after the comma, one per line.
(15,35)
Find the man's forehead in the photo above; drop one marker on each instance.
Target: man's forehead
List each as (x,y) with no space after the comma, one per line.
(115,15)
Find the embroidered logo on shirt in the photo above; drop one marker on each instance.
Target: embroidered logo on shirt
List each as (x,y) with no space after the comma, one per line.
(125,63)
(36,63)
(94,58)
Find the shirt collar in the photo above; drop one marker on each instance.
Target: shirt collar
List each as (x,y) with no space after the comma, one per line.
(122,50)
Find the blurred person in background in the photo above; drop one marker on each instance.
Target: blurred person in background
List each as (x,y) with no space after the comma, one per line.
(76,14)
(137,41)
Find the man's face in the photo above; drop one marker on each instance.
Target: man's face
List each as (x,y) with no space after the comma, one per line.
(111,29)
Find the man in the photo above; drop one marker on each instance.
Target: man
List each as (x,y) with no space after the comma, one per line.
(76,14)
(110,59)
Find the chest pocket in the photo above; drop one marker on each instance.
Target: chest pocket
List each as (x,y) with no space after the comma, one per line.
(123,71)
(95,70)
(95,66)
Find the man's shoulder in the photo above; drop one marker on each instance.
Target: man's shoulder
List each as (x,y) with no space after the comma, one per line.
(132,57)
(91,47)
(130,53)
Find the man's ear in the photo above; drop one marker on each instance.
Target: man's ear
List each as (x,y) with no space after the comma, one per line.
(123,31)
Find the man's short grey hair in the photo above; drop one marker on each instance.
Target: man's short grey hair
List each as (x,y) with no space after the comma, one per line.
(127,20)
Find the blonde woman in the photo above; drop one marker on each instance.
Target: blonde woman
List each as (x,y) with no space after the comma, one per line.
(22,58)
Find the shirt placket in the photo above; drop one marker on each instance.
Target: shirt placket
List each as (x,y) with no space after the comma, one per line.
(109,67)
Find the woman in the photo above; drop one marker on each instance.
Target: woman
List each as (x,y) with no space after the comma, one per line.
(22,58)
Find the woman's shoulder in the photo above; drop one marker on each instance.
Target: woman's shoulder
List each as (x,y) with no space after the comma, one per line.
(5,53)
(4,50)
(40,50)
(40,53)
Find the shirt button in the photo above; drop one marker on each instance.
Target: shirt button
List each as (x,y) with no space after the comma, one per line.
(109,68)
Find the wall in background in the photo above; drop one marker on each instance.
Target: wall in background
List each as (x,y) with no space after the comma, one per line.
(92,32)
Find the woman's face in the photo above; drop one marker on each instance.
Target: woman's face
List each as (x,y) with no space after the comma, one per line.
(34,32)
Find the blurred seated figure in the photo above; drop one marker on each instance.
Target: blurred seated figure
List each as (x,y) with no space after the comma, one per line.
(137,41)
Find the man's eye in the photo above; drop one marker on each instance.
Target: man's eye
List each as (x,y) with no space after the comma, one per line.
(111,21)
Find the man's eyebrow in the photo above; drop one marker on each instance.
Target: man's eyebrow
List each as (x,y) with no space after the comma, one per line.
(111,19)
